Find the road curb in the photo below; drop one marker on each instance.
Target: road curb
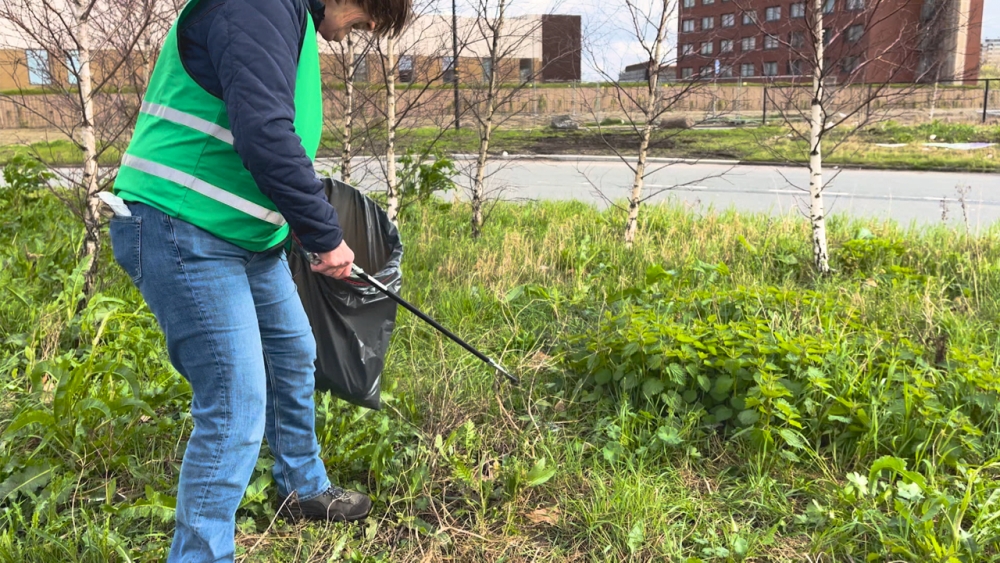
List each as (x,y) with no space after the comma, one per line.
(716,161)
(597,158)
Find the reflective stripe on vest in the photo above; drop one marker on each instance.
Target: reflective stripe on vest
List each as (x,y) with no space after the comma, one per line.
(188,120)
(204,188)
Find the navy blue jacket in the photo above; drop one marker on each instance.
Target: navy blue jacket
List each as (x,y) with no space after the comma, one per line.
(246,52)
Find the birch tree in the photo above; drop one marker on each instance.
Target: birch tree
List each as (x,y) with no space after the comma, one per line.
(649,25)
(498,40)
(817,121)
(408,93)
(855,64)
(392,194)
(656,50)
(492,30)
(93,87)
(346,154)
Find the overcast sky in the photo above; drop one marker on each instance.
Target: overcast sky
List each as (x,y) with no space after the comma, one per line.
(991,19)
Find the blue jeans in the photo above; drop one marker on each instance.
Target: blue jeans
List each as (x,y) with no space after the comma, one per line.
(236,330)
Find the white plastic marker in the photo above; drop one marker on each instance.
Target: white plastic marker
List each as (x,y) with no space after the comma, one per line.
(116,204)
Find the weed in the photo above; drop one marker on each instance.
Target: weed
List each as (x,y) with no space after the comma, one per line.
(701,397)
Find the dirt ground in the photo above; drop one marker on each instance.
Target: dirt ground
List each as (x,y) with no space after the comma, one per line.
(560,143)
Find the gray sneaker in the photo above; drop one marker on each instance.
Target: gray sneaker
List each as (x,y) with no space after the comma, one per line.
(334,505)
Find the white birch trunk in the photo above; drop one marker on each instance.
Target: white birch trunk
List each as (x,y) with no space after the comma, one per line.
(478,185)
(934,96)
(390,147)
(817,214)
(88,140)
(486,127)
(345,156)
(634,200)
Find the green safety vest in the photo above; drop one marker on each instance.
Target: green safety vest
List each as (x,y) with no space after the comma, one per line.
(181,160)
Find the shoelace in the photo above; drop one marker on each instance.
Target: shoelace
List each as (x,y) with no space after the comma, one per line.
(337,494)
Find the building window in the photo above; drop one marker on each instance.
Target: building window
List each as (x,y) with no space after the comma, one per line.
(688,49)
(728,20)
(827,36)
(706,48)
(856,5)
(772,14)
(749,18)
(406,68)
(726,46)
(689,3)
(360,68)
(797,39)
(487,69)
(771,69)
(706,71)
(771,42)
(72,67)
(707,2)
(855,32)
(687,26)
(686,73)
(748,44)
(38,67)
(527,70)
(849,64)
(798,10)
(828,6)
(707,22)
(746,69)
(726,71)
(448,69)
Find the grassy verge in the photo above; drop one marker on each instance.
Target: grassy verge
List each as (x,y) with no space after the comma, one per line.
(751,144)
(698,397)
(55,153)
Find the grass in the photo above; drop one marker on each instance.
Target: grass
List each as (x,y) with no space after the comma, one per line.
(871,397)
(56,153)
(751,144)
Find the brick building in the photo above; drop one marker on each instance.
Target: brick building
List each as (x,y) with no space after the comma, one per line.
(991,52)
(865,40)
(27,65)
(534,48)
(542,48)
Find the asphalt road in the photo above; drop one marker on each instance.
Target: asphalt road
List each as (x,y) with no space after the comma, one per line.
(904,196)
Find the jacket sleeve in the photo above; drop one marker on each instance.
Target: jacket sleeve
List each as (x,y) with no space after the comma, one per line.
(254,47)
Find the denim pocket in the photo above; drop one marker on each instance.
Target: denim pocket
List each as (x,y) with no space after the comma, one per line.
(126,243)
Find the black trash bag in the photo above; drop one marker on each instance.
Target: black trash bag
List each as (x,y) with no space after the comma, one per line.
(351,320)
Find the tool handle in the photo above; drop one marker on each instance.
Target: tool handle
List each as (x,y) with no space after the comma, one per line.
(392,295)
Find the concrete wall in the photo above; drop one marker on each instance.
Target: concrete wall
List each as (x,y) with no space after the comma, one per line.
(435,106)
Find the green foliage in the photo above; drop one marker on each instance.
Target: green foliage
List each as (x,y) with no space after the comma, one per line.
(744,358)
(722,404)
(422,174)
(936,131)
(23,178)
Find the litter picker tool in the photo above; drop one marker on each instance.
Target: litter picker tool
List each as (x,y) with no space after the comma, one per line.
(359,273)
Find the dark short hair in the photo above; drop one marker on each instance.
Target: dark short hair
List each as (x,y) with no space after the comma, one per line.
(390,15)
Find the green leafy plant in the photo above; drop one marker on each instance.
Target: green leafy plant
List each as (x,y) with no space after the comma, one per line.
(422,174)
